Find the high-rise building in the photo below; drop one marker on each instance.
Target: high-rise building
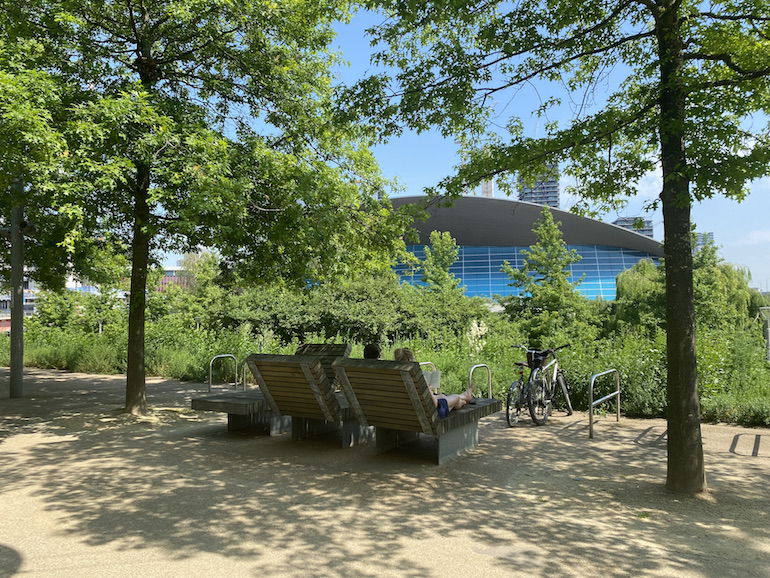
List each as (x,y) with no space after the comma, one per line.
(544,191)
(701,239)
(488,189)
(630,223)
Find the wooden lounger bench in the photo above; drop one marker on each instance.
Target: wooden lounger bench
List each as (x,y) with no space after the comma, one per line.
(298,386)
(249,409)
(393,396)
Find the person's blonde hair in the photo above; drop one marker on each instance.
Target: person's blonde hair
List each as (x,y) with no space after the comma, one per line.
(403,354)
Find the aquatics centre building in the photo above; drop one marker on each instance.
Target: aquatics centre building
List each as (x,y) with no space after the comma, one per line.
(489,231)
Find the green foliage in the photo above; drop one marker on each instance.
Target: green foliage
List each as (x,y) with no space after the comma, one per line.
(34,149)
(206,317)
(641,364)
(548,301)
(641,297)
(438,260)
(5,350)
(734,375)
(721,291)
(722,296)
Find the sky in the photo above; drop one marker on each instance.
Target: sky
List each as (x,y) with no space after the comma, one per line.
(741,230)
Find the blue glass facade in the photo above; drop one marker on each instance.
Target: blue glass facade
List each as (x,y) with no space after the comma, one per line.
(478,268)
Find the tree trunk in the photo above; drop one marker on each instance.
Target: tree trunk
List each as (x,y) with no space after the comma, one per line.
(686,472)
(136,393)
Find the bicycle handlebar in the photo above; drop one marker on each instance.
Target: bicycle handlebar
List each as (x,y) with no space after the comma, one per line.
(547,351)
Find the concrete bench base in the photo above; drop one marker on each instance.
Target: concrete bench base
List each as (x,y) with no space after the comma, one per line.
(460,431)
(269,424)
(352,432)
(245,410)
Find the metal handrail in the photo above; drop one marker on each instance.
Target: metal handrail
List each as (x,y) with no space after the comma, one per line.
(433,388)
(489,377)
(211,365)
(245,363)
(592,403)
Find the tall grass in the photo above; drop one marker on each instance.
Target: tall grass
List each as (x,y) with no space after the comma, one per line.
(734,375)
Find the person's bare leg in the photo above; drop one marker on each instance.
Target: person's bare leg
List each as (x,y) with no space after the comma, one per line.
(453,400)
(467,395)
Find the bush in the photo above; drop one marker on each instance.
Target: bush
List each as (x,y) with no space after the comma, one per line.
(440,324)
(74,350)
(5,350)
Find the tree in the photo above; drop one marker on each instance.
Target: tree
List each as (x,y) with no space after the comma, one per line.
(204,122)
(547,299)
(693,79)
(438,261)
(33,148)
(641,297)
(33,145)
(722,296)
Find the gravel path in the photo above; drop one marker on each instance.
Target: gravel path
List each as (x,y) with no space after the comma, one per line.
(88,491)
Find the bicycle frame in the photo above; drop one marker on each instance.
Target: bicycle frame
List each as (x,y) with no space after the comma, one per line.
(539,390)
(551,376)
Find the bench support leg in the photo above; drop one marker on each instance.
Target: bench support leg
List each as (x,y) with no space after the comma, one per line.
(353,433)
(303,428)
(387,439)
(263,420)
(457,440)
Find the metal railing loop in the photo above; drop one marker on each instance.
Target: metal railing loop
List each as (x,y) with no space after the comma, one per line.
(592,403)
(489,377)
(211,366)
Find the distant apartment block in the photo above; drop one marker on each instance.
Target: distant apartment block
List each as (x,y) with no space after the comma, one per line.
(631,223)
(28,301)
(544,191)
(701,239)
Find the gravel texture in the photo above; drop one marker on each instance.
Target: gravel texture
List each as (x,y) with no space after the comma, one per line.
(86,490)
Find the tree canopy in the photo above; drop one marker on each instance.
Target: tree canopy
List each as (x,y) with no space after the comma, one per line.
(439,258)
(209,123)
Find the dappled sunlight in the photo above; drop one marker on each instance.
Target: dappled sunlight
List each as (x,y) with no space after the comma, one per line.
(535,500)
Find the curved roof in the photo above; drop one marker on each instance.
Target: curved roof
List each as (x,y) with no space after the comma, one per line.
(484,221)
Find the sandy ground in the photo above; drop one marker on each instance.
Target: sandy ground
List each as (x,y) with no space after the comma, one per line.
(88,491)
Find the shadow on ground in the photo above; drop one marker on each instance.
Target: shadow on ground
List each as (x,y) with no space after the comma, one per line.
(530,500)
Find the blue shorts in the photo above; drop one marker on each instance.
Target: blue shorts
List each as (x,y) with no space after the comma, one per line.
(442,407)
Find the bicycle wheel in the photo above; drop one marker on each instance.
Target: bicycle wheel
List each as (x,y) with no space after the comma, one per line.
(563,389)
(513,403)
(539,399)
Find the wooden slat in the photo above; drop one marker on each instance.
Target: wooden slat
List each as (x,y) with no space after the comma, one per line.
(350,396)
(384,398)
(295,385)
(326,354)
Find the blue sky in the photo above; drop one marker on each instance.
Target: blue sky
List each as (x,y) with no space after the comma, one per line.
(741,230)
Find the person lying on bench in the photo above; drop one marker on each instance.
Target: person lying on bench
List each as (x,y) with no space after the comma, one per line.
(444,403)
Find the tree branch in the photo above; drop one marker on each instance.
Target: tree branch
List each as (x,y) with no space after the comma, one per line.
(728,61)
(736,17)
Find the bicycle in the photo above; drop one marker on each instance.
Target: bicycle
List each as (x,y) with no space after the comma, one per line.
(546,381)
